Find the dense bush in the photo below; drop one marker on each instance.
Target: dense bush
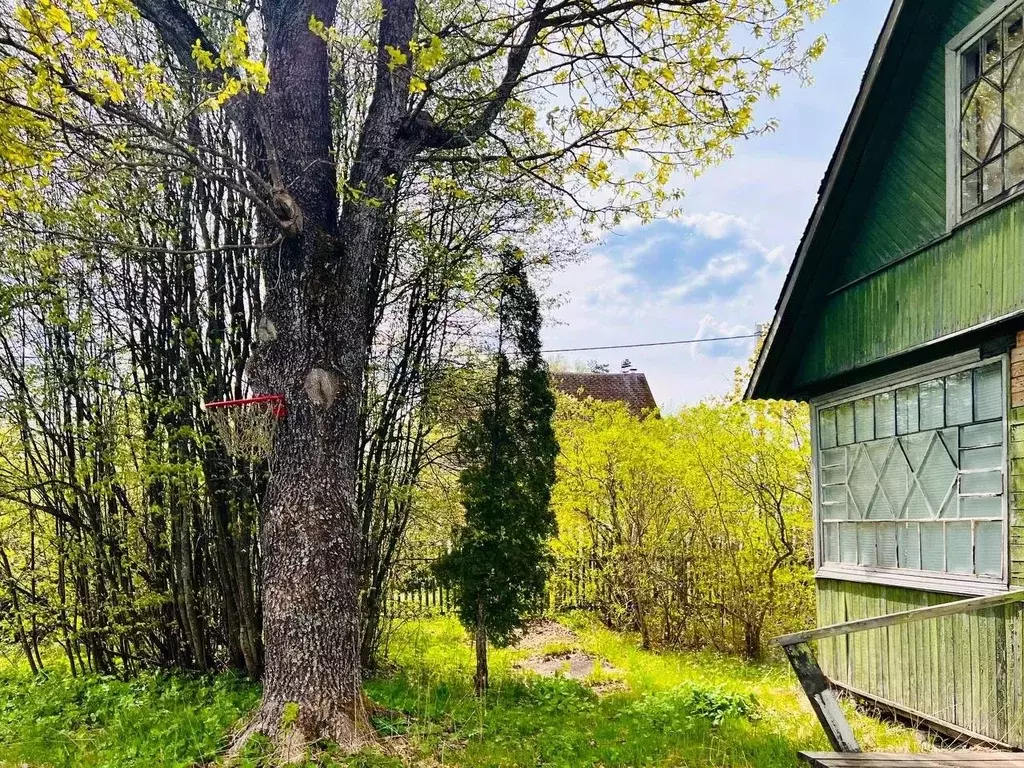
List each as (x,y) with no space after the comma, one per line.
(694,529)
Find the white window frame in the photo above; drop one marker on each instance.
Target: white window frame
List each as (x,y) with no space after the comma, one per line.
(930,581)
(971,34)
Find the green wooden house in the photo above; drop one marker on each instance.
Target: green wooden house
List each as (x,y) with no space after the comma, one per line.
(901,322)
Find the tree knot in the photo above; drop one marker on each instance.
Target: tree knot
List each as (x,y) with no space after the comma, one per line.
(288,212)
(322,387)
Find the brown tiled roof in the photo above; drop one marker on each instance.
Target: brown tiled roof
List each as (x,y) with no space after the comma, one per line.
(629,388)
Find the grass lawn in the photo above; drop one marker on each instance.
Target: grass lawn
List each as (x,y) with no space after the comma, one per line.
(670,709)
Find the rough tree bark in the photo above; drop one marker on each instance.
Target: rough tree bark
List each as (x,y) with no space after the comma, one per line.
(314,344)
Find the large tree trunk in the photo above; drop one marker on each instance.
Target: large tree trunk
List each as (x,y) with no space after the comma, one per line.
(314,348)
(312,355)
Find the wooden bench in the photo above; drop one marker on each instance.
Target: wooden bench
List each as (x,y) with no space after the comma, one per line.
(961,759)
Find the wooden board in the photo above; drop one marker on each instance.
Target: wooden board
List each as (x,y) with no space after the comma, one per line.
(961,759)
(963,672)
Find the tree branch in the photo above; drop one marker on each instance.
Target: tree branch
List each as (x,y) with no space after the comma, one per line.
(177,28)
(439,137)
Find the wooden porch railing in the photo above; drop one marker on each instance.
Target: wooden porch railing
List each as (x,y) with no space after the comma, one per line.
(816,685)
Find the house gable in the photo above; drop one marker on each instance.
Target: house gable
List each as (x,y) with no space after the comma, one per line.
(878,277)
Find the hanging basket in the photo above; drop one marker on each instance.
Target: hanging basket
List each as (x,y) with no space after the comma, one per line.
(247,426)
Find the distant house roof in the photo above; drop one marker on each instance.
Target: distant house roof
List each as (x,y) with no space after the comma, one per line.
(629,388)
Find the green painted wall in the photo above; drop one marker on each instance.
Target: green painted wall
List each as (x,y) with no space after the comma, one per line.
(902,206)
(896,205)
(975,275)
(965,670)
(1016,483)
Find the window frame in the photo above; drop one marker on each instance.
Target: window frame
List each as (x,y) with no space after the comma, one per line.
(971,34)
(931,581)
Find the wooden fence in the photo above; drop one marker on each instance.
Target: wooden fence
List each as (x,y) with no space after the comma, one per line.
(416,591)
(575,584)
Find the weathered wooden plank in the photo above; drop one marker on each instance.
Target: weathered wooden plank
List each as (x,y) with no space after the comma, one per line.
(870,604)
(961,649)
(1014,676)
(937,698)
(906,617)
(1000,668)
(822,698)
(972,654)
(896,678)
(826,648)
(916,662)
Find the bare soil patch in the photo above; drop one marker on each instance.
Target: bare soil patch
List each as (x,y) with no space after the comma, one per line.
(544,633)
(556,654)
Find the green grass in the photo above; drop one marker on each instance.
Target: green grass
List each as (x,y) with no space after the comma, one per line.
(697,710)
(102,722)
(680,709)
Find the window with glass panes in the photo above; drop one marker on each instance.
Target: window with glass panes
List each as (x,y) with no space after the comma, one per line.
(991,120)
(912,477)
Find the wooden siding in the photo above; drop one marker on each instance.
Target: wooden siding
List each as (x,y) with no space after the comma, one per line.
(972,277)
(966,670)
(898,280)
(1016,455)
(903,206)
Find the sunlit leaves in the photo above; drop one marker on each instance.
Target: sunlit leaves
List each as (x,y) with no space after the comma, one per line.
(625,107)
(720,489)
(239,72)
(396,57)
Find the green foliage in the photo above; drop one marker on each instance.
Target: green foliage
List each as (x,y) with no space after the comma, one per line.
(289,714)
(500,560)
(681,706)
(102,722)
(694,529)
(693,709)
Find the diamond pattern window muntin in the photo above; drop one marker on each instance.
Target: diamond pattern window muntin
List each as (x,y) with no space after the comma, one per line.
(927,500)
(991,120)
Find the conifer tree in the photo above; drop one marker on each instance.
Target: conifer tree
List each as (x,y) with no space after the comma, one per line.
(500,560)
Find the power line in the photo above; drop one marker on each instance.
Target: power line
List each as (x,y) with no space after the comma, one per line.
(657,343)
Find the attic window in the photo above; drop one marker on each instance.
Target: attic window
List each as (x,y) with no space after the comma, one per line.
(988,87)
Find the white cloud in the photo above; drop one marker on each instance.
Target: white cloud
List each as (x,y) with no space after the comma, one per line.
(715,225)
(690,278)
(739,229)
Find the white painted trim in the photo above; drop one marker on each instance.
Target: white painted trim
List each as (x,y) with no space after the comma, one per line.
(815,493)
(981,24)
(932,581)
(953,199)
(921,580)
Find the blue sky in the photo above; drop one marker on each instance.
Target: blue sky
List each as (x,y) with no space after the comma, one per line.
(718,269)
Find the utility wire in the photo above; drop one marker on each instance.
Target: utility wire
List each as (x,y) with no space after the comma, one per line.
(657,343)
